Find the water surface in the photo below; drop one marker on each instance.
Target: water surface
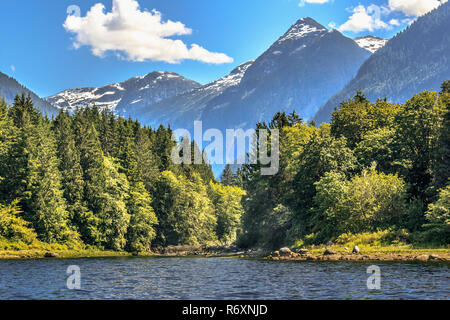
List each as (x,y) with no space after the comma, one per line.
(219,278)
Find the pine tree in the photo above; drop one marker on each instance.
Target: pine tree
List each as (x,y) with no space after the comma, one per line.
(70,168)
(113,215)
(146,159)
(94,177)
(141,230)
(7,138)
(44,195)
(228,177)
(442,158)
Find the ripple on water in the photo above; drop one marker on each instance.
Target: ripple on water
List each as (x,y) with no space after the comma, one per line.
(199,278)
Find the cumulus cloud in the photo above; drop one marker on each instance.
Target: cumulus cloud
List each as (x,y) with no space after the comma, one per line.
(415,7)
(364,19)
(13,68)
(394,22)
(136,35)
(304,2)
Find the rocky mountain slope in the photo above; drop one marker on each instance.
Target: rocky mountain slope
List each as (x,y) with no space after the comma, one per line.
(124,97)
(9,88)
(416,59)
(300,71)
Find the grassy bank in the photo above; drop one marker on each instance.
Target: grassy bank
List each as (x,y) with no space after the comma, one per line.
(382,245)
(398,252)
(37,249)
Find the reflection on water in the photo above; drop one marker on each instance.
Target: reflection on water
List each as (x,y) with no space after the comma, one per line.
(216,278)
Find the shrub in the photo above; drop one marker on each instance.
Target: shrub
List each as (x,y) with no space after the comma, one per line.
(13,227)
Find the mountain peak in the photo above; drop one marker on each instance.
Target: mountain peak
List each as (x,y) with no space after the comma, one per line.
(311,22)
(303,27)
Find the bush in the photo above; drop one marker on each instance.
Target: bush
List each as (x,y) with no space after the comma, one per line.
(378,238)
(13,227)
(366,203)
(437,228)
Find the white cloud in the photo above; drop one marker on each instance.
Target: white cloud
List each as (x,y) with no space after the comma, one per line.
(332,25)
(408,21)
(13,68)
(136,35)
(394,22)
(364,19)
(414,7)
(303,2)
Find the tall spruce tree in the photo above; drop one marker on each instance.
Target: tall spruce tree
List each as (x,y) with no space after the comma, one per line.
(140,232)
(442,159)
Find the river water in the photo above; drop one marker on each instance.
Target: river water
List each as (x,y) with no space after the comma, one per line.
(219,278)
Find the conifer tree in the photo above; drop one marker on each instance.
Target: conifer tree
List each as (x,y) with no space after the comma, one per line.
(442,158)
(228,177)
(141,230)
(70,168)
(44,196)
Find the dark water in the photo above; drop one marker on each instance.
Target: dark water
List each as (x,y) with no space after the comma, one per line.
(215,278)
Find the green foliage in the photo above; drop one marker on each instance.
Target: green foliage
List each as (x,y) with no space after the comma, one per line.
(276,226)
(365,203)
(13,227)
(416,141)
(99,180)
(437,228)
(377,238)
(358,116)
(323,153)
(228,210)
(265,193)
(141,230)
(376,146)
(442,155)
(319,194)
(228,177)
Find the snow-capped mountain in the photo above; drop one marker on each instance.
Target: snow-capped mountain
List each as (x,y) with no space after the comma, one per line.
(300,71)
(190,105)
(414,60)
(9,88)
(371,43)
(124,97)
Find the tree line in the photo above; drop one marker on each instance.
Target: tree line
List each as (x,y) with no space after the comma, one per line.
(376,166)
(94,179)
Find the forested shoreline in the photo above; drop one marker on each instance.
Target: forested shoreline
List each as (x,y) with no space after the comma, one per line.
(377,174)
(93,180)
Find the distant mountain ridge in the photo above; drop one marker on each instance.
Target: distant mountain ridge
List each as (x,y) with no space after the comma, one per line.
(10,87)
(300,71)
(414,60)
(124,97)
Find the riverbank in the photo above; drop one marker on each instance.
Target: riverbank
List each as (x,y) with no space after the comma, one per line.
(62,252)
(377,253)
(314,253)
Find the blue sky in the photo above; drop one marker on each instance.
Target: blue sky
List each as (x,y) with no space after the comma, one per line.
(48,54)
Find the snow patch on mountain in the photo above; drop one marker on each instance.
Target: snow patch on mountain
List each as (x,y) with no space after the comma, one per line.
(371,43)
(304,27)
(123,96)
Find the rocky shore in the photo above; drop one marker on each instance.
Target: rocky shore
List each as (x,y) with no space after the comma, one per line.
(204,250)
(285,254)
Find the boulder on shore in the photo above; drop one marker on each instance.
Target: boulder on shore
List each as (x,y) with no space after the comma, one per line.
(355,250)
(50,255)
(285,252)
(329,252)
(302,251)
